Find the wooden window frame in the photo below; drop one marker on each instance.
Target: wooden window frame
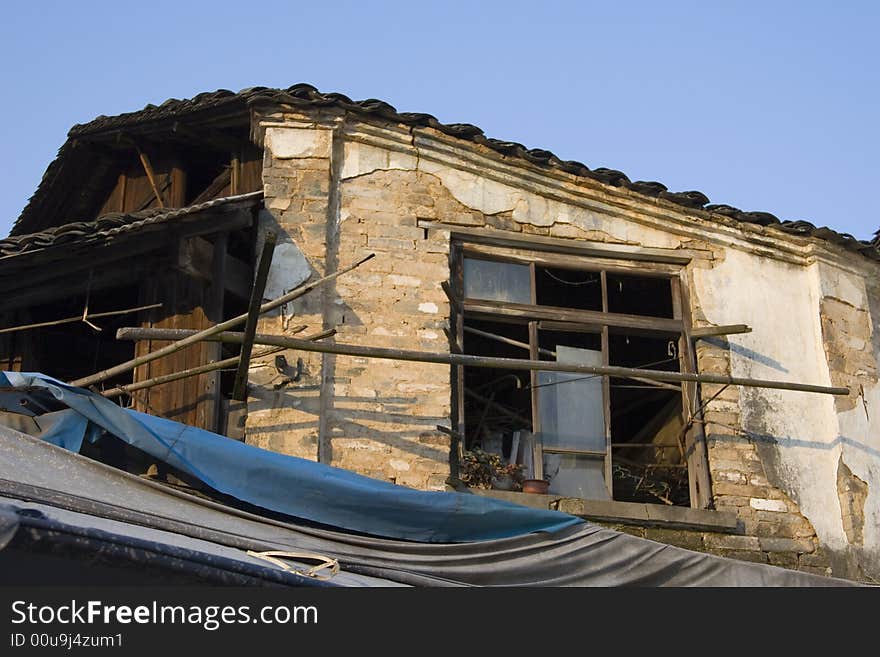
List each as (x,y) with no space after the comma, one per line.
(603,323)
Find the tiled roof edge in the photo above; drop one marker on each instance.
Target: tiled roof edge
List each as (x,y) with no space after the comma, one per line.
(108,225)
(307,96)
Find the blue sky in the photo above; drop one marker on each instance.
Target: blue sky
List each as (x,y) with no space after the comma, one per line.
(768,106)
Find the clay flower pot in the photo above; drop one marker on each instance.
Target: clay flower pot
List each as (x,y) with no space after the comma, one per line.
(540,486)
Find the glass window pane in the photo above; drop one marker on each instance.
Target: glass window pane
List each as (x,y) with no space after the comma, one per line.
(573,417)
(496,281)
(576,476)
(571,405)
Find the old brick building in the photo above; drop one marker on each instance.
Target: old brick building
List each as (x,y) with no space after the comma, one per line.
(482,248)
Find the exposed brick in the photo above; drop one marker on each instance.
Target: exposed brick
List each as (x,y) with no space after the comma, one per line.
(571,505)
(754,556)
(741,489)
(815,559)
(725,499)
(686,539)
(797,546)
(389,244)
(731,542)
(783,560)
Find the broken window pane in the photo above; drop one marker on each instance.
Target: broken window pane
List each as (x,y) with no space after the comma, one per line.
(639,295)
(567,288)
(497,281)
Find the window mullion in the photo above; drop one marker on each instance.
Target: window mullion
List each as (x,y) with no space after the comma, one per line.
(537,441)
(606,390)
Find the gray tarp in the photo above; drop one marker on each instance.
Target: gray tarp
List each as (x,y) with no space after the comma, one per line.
(583,555)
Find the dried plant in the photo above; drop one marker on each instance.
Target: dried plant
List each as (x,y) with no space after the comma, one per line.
(481,469)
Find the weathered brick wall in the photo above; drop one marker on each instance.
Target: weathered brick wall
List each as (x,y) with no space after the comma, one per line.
(846,336)
(338,199)
(741,547)
(773,530)
(283,415)
(383,415)
(376,417)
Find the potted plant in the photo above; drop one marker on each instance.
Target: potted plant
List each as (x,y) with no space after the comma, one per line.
(481,469)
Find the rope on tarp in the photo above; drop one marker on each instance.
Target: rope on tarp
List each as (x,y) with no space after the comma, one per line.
(313,572)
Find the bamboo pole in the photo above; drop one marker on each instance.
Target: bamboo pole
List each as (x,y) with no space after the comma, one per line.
(183,374)
(79,318)
(506,340)
(201,369)
(468,360)
(239,388)
(103,375)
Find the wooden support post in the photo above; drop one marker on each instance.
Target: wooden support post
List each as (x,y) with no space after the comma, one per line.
(215,311)
(103,375)
(239,389)
(606,392)
(122,183)
(178,186)
(234,175)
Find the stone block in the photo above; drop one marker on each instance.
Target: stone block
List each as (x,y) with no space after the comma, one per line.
(731,542)
(289,143)
(389,244)
(730,476)
(754,556)
(814,559)
(762,504)
(783,560)
(797,546)
(680,538)
(723,497)
(571,505)
(738,489)
(399,232)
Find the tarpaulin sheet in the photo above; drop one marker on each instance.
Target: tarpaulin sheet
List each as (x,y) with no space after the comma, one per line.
(580,555)
(279,482)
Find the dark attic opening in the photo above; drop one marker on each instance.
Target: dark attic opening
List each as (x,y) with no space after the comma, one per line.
(71,349)
(586,434)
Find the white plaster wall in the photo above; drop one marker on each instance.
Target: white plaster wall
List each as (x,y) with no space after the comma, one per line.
(781,304)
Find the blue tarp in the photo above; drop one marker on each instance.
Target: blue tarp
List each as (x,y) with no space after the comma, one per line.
(286,484)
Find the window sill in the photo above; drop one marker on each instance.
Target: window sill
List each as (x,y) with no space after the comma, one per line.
(630,513)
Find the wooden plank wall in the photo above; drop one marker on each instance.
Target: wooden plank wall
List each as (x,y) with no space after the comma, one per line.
(133,192)
(189,400)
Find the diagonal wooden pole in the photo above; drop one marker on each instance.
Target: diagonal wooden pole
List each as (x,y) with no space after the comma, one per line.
(202,369)
(129,365)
